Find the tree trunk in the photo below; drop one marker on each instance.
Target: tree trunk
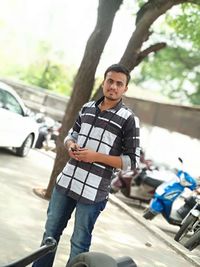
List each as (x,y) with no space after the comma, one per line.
(84,80)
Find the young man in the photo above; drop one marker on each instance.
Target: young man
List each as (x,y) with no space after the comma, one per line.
(105,136)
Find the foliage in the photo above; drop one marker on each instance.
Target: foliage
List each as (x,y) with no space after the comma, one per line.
(50,76)
(186,24)
(175,70)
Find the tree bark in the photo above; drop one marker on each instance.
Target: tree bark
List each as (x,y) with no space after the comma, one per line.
(84,81)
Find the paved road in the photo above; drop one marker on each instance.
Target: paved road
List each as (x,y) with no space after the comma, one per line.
(119,231)
(158,221)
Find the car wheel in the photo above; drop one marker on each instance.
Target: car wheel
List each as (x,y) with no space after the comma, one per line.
(25,148)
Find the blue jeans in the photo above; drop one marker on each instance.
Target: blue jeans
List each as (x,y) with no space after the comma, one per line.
(58,214)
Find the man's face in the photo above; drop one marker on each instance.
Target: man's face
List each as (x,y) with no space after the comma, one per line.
(114,85)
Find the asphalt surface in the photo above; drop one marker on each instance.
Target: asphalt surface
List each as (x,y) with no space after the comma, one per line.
(120,230)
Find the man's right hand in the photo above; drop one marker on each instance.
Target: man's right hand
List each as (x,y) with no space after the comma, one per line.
(72,147)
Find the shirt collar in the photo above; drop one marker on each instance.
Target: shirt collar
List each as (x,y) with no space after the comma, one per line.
(116,107)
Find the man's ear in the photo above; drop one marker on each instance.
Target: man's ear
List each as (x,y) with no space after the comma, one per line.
(125,89)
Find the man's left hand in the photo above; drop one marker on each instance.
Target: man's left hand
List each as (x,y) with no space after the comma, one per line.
(85,155)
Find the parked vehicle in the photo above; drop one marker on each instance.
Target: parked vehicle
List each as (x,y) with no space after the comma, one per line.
(18,129)
(190,225)
(167,193)
(194,240)
(48,132)
(139,184)
(90,259)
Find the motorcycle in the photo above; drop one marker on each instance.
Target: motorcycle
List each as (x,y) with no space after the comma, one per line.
(166,194)
(140,184)
(89,259)
(194,240)
(190,225)
(48,132)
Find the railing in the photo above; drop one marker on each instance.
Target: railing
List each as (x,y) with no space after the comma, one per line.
(182,119)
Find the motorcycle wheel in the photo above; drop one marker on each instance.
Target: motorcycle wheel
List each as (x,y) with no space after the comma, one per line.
(185,228)
(193,242)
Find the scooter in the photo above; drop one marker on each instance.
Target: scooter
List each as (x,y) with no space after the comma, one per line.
(130,182)
(136,186)
(166,194)
(140,184)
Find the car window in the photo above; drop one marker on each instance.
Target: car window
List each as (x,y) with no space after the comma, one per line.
(8,101)
(1,98)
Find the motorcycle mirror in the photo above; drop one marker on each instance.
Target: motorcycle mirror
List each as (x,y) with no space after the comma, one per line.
(180,159)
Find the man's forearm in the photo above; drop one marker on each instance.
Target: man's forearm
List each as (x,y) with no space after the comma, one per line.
(113,161)
(88,155)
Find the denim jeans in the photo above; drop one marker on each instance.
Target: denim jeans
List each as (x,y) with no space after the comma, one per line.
(58,214)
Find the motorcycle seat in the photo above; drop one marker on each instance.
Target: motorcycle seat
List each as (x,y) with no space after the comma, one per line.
(152,182)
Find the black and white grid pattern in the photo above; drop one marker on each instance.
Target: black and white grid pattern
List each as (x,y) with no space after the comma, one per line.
(112,132)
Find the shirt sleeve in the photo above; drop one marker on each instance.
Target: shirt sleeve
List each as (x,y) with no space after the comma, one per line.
(131,143)
(74,131)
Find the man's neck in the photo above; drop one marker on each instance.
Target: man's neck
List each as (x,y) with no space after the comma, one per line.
(108,104)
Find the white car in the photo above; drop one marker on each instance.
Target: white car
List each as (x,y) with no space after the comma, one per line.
(18,130)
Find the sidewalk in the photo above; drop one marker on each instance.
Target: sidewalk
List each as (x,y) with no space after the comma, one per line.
(120,231)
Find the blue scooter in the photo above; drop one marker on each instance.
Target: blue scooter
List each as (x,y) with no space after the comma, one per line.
(166,194)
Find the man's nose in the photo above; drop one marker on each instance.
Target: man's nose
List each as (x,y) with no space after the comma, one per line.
(114,85)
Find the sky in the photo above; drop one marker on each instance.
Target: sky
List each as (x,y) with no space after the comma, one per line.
(65,24)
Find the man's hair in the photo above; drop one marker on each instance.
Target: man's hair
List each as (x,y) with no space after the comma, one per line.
(118,68)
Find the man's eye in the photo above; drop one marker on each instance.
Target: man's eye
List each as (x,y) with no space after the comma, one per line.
(119,84)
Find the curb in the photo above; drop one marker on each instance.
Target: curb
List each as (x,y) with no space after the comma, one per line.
(181,250)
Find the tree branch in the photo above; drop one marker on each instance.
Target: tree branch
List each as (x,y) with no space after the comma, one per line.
(152,49)
(151,11)
(157,4)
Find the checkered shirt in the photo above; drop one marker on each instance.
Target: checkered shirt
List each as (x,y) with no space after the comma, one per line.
(113,132)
